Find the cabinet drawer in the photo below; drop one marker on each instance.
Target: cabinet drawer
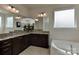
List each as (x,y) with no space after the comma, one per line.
(6,51)
(4,46)
(5,42)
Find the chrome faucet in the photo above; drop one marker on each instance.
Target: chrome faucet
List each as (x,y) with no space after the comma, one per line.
(71,49)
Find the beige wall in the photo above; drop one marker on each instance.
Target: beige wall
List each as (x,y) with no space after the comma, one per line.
(24,11)
(35,11)
(39,24)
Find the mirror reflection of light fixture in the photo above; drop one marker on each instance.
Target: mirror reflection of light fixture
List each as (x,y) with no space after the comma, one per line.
(18,17)
(42,14)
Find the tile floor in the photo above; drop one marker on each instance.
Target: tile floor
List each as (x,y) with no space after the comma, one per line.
(33,50)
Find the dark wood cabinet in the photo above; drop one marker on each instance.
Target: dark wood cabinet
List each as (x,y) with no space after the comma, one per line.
(40,40)
(25,42)
(5,47)
(20,43)
(14,46)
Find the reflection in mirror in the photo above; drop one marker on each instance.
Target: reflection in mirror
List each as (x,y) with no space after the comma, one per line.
(18,24)
(28,24)
(9,23)
(6,21)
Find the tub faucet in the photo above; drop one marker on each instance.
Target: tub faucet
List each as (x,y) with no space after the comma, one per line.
(71,49)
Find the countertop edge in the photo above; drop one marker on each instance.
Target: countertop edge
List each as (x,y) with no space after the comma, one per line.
(17,35)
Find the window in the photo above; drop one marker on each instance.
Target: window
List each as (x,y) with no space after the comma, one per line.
(9,23)
(0,21)
(64,19)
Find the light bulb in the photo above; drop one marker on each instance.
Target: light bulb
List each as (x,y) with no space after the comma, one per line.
(69,52)
(13,9)
(17,11)
(18,17)
(44,14)
(74,54)
(41,15)
(9,7)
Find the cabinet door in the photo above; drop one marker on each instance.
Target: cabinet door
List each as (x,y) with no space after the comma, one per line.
(43,39)
(40,40)
(16,45)
(26,42)
(34,39)
(6,51)
(22,44)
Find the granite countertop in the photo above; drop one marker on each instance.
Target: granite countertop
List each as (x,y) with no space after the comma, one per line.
(20,33)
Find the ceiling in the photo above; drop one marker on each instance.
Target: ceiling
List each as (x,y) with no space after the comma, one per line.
(40,7)
(47,5)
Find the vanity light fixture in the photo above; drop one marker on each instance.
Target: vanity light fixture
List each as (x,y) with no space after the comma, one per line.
(9,7)
(18,17)
(45,14)
(13,9)
(41,15)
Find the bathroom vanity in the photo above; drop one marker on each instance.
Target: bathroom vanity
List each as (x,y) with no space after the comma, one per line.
(15,43)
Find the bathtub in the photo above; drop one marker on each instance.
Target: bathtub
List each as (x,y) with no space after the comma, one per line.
(63,47)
